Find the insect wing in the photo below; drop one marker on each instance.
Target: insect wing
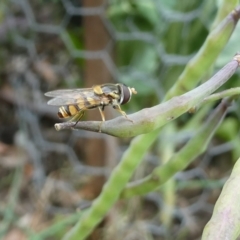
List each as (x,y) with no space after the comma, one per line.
(67,92)
(84,99)
(61,101)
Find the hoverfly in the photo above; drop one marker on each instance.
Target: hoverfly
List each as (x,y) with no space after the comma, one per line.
(74,102)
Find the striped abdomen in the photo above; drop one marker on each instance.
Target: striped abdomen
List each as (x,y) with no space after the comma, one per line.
(87,103)
(68,111)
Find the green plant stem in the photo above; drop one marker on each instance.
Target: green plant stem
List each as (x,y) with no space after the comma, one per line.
(111,190)
(201,183)
(192,75)
(226,7)
(225,221)
(181,159)
(55,228)
(150,119)
(227,93)
(166,150)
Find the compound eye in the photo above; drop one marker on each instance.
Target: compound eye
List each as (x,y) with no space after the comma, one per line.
(126,94)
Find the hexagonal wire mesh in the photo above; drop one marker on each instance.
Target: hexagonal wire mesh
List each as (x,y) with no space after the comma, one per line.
(70,44)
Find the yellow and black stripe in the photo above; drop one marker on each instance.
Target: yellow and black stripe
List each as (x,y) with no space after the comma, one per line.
(68,111)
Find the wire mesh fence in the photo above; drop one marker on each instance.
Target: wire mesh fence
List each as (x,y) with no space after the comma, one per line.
(46,175)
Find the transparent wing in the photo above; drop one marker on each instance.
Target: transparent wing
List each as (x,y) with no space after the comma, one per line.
(82,96)
(71,96)
(67,92)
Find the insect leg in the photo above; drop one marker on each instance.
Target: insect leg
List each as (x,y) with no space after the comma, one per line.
(77,117)
(102,116)
(118,108)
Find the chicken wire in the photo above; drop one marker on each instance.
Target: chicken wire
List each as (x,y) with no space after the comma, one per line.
(39,54)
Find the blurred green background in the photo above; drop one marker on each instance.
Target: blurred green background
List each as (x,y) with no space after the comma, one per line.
(46,175)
